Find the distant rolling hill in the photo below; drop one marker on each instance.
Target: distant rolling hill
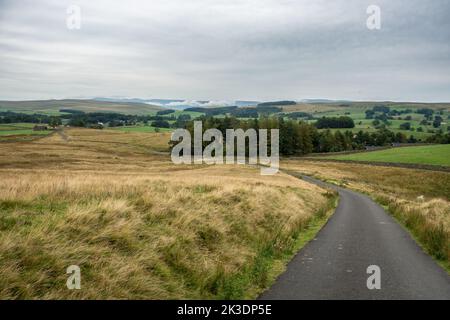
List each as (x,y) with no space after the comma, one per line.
(53,106)
(143,106)
(179,104)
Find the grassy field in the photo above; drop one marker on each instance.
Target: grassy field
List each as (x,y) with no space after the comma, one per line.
(418,199)
(20,131)
(16,126)
(139,226)
(434,155)
(356,110)
(193,114)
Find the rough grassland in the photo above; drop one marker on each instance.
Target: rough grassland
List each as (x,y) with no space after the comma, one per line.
(419,199)
(138,226)
(434,155)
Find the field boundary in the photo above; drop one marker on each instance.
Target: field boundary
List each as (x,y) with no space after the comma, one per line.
(33,137)
(373,149)
(429,167)
(302,236)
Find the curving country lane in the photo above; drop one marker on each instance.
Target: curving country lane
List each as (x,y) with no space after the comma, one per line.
(358,235)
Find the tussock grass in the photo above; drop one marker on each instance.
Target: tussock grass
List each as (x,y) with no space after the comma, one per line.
(429,222)
(140,227)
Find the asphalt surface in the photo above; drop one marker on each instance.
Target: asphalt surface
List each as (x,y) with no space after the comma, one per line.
(358,235)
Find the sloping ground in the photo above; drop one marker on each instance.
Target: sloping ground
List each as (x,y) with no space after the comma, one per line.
(53,106)
(138,226)
(343,106)
(312,107)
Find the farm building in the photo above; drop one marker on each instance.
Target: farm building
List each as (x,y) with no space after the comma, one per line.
(40,128)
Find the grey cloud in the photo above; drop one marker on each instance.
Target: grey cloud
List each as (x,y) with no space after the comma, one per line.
(226,50)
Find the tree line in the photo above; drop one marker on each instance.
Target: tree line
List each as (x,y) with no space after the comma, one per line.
(335,122)
(14,117)
(300,138)
(78,118)
(261,109)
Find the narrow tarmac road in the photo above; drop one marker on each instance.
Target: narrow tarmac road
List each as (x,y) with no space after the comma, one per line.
(358,235)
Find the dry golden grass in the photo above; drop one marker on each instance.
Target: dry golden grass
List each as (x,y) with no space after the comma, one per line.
(420,199)
(137,225)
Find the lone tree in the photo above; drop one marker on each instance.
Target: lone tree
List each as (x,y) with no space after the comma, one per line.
(405,126)
(54,122)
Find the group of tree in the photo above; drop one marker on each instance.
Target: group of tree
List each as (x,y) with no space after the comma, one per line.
(161,124)
(277,103)
(78,118)
(115,119)
(380,112)
(299,137)
(395,112)
(335,122)
(437,121)
(439,137)
(384,113)
(381,108)
(405,126)
(237,112)
(427,112)
(54,122)
(14,117)
(164,112)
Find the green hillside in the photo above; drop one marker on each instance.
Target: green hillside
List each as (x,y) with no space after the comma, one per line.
(52,107)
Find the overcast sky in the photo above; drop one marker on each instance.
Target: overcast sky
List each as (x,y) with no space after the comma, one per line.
(226,50)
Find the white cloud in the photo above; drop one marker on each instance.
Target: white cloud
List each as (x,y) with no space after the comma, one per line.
(194,103)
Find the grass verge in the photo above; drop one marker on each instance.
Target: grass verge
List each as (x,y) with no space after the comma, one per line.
(432,237)
(273,257)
